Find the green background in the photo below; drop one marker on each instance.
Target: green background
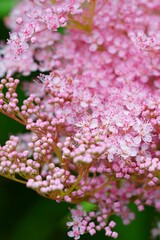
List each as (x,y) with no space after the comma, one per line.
(26,216)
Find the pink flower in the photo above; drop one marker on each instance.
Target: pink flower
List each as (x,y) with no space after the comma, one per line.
(92,115)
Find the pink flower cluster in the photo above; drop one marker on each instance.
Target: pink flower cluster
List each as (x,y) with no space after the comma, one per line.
(93,120)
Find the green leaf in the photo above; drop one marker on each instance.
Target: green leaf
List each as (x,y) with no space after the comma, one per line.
(88,207)
(61,30)
(6,6)
(40,222)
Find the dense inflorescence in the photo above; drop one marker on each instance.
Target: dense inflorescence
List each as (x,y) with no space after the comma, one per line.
(92,115)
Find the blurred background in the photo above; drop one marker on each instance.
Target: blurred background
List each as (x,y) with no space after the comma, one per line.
(24,215)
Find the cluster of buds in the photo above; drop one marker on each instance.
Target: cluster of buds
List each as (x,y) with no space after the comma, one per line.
(93,122)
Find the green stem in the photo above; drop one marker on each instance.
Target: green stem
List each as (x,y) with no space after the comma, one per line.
(73,186)
(14,179)
(58,153)
(92,12)
(12,116)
